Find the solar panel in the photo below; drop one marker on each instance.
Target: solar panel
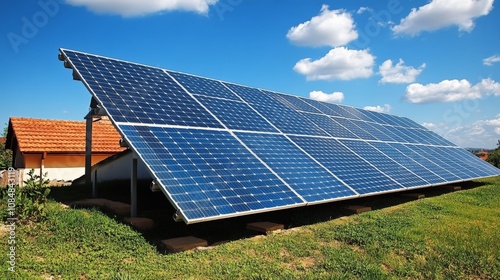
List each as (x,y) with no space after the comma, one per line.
(236,115)
(356,172)
(139,94)
(208,173)
(385,164)
(312,181)
(219,149)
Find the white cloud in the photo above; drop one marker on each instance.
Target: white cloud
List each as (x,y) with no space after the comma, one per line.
(451,91)
(386,108)
(338,64)
(430,126)
(443,13)
(130,8)
(334,97)
(363,9)
(490,60)
(480,134)
(399,73)
(330,28)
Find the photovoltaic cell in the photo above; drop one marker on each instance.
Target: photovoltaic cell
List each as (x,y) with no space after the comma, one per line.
(304,175)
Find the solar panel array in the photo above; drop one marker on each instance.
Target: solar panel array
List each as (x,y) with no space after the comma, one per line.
(220,150)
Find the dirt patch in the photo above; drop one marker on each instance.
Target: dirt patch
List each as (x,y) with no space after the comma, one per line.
(4,230)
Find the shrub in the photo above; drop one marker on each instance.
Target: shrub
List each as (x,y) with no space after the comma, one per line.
(30,200)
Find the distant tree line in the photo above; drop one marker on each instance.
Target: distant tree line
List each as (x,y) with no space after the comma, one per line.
(494,157)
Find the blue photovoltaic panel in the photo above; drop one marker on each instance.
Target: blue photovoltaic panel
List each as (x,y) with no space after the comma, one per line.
(341,111)
(322,107)
(203,86)
(387,131)
(220,150)
(418,138)
(252,95)
(346,165)
(330,126)
(437,155)
(208,173)
(360,132)
(408,123)
(408,162)
(385,164)
(426,162)
(373,117)
(358,115)
(139,94)
(293,101)
(470,160)
(288,120)
(305,176)
(236,115)
(373,130)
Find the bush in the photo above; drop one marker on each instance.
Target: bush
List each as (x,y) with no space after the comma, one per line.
(30,200)
(494,158)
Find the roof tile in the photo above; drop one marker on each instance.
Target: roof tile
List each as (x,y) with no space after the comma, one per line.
(37,135)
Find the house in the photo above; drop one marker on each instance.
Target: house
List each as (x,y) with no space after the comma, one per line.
(58,146)
(483,155)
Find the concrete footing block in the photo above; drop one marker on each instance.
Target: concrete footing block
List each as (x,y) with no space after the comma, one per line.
(264,227)
(356,209)
(139,223)
(181,244)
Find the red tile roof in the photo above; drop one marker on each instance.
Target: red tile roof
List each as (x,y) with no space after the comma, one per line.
(59,136)
(483,155)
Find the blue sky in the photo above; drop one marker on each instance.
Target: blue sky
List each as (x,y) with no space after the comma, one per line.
(436,62)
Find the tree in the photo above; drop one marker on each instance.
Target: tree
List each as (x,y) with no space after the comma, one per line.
(498,144)
(494,158)
(5,155)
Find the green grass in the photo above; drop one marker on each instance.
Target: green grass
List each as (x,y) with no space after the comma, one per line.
(450,236)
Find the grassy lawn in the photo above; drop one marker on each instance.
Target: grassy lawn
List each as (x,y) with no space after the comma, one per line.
(450,236)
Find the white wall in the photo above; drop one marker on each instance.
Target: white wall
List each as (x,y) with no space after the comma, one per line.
(64,174)
(117,168)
